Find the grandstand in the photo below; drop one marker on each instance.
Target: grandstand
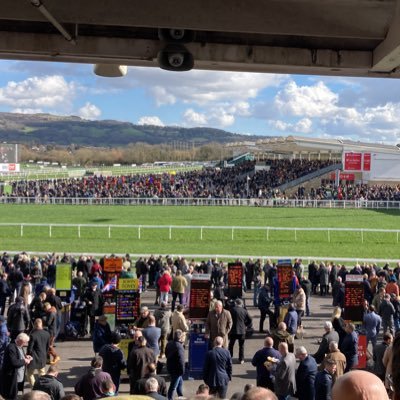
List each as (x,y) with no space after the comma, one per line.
(283,168)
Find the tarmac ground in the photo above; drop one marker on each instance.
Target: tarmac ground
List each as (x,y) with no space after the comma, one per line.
(76,355)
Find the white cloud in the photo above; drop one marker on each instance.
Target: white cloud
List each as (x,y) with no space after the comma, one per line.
(162,97)
(194,118)
(309,101)
(89,111)
(150,120)
(46,94)
(302,126)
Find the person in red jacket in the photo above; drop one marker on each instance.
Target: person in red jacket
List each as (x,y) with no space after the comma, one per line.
(164,283)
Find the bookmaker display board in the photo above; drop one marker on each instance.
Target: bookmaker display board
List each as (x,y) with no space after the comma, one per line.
(199,301)
(285,277)
(354,299)
(127,306)
(235,279)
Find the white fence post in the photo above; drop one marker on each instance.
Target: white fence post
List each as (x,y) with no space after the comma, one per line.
(139,233)
(170,233)
(232,233)
(49,230)
(22,230)
(201,233)
(109,232)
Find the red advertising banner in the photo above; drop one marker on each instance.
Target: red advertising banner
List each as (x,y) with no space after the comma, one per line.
(235,279)
(352,161)
(362,352)
(343,177)
(284,274)
(367,162)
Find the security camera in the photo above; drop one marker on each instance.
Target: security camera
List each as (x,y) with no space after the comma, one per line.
(175,58)
(176,35)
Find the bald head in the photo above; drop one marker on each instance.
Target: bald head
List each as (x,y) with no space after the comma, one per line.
(268,342)
(259,393)
(359,385)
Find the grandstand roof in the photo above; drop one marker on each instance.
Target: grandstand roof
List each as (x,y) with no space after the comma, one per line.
(297,144)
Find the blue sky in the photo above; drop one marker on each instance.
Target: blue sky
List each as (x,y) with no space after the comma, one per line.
(362,109)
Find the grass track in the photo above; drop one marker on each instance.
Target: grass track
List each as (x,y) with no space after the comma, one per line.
(188,241)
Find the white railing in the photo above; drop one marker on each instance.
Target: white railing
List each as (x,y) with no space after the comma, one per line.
(368,204)
(232,229)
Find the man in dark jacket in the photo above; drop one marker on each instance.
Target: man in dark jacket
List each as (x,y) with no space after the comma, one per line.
(240,321)
(323,381)
(350,347)
(305,375)
(264,376)
(38,347)
(264,304)
(175,363)
(5,292)
(387,312)
(140,386)
(113,359)
(89,386)
(94,303)
(329,336)
(13,372)
(138,358)
(17,318)
(101,334)
(49,384)
(217,369)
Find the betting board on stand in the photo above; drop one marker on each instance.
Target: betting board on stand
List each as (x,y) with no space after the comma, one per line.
(285,277)
(354,299)
(199,301)
(235,279)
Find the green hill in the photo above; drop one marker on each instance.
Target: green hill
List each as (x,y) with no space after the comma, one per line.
(45,129)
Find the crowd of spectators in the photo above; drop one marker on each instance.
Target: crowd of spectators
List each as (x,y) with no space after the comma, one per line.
(351,191)
(241,181)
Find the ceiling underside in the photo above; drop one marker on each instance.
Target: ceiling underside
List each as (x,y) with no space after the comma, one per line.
(326,37)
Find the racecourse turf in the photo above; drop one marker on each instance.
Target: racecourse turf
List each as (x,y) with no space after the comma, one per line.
(188,241)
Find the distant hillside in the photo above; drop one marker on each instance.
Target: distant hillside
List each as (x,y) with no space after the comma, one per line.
(47,129)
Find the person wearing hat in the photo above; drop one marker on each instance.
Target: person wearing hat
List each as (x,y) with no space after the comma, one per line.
(101,333)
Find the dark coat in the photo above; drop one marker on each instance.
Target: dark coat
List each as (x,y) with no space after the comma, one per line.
(38,347)
(323,349)
(89,385)
(11,363)
(17,318)
(138,358)
(113,362)
(264,376)
(50,321)
(290,320)
(217,367)
(96,299)
(350,350)
(323,386)
(155,395)
(50,385)
(240,320)
(101,335)
(140,385)
(175,354)
(305,378)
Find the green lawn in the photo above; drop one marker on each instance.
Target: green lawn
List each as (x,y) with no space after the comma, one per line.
(185,241)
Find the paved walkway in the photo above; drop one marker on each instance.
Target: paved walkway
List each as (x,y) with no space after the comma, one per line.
(75,356)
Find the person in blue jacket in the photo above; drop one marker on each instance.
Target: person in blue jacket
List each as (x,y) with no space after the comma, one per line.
(323,381)
(305,375)
(217,369)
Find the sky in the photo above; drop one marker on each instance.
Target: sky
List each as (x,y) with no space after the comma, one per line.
(360,109)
